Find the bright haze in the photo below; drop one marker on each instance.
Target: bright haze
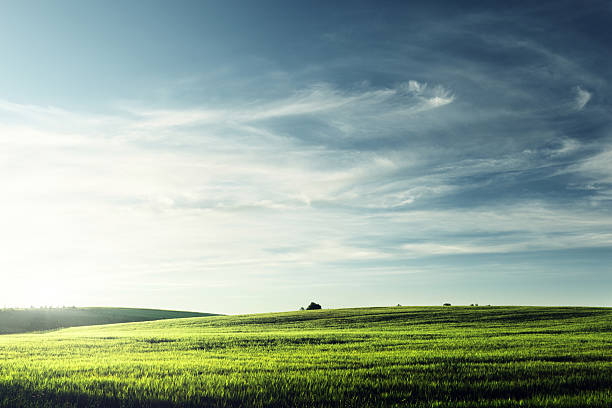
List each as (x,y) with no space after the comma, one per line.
(255,156)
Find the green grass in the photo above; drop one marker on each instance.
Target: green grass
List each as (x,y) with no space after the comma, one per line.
(37,319)
(370,357)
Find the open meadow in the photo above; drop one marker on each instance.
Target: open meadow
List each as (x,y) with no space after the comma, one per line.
(367,357)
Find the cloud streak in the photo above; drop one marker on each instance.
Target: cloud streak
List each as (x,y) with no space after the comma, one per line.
(582,98)
(322,101)
(390,153)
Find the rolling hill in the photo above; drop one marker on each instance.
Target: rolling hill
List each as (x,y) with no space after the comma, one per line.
(367,357)
(37,319)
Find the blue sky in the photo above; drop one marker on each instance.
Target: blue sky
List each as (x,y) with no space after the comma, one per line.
(255,156)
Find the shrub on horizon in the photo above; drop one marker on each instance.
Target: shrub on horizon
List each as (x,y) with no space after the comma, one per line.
(313,306)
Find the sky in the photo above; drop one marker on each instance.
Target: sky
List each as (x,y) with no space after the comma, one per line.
(242,157)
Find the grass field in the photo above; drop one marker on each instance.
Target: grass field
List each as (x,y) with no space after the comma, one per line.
(399,356)
(36,319)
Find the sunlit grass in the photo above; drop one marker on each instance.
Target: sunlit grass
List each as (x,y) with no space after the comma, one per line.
(400,356)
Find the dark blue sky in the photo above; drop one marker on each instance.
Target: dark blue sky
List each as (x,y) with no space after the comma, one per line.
(254,156)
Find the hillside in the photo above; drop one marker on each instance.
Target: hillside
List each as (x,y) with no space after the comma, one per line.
(368,357)
(37,319)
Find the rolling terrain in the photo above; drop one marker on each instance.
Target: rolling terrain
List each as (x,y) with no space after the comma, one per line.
(39,319)
(367,357)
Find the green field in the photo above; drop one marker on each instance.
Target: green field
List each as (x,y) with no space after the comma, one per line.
(399,356)
(37,319)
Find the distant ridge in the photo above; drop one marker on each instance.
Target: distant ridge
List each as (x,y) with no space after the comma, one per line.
(37,319)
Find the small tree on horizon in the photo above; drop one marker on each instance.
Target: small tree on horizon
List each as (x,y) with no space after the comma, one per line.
(313,306)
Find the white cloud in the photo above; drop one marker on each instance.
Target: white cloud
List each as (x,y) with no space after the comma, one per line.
(530,226)
(598,165)
(416,87)
(582,98)
(140,195)
(596,173)
(341,109)
(429,97)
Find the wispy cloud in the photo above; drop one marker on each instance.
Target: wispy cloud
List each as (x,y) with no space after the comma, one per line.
(211,193)
(335,107)
(372,157)
(430,97)
(582,98)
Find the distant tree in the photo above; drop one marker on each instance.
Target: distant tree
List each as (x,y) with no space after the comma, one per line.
(313,306)
(398,305)
(302,308)
(446,304)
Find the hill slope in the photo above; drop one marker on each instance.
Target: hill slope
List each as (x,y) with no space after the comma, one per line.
(369,357)
(36,319)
